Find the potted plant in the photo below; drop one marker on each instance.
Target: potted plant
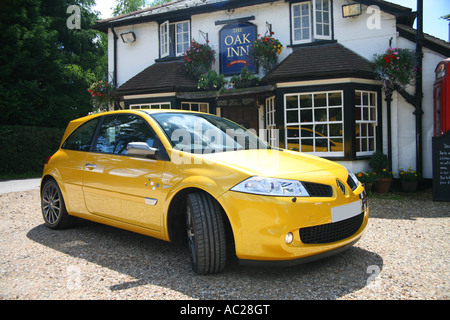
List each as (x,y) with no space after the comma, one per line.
(396,67)
(211,81)
(409,179)
(245,79)
(198,59)
(102,93)
(367,179)
(379,163)
(265,51)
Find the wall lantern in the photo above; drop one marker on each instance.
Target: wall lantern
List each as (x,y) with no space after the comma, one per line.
(128,37)
(351,10)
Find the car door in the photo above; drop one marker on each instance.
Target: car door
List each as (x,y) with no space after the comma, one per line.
(71,160)
(123,187)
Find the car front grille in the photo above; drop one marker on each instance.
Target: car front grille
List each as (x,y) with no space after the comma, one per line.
(331,232)
(318,190)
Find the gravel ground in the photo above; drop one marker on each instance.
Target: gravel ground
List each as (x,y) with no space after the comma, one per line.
(402,255)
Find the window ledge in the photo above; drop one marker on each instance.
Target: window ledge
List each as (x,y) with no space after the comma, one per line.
(313,43)
(167,59)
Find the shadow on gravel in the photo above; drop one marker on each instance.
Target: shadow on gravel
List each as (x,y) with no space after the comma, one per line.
(155,262)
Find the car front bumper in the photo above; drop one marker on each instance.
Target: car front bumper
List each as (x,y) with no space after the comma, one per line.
(319,226)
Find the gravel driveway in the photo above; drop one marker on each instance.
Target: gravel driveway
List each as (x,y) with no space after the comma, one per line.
(404,254)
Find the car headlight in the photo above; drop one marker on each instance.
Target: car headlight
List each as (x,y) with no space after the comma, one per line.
(272,187)
(353,181)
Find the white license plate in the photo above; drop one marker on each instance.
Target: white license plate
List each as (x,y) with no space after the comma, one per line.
(346,211)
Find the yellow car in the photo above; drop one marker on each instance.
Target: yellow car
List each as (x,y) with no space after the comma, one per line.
(195,177)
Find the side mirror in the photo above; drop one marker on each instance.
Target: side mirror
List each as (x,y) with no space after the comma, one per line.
(140,149)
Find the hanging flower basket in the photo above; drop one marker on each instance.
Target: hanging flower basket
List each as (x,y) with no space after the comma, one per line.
(396,67)
(198,59)
(102,93)
(265,51)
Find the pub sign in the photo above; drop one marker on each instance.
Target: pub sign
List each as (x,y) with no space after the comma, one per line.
(235,45)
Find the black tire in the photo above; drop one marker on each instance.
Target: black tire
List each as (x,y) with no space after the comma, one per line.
(53,207)
(206,234)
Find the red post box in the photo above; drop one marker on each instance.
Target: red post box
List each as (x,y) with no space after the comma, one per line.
(441,95)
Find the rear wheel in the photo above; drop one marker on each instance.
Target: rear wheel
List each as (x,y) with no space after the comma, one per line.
(53,208)
(205,234)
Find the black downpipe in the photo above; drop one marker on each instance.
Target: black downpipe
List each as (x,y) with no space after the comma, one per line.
(116,106)
(419,87)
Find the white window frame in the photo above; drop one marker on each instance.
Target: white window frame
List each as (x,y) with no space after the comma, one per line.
(312,16)
(164,39)
(202,106)
(153,105)
(177,53)
(309,39)
(314,122)
(315,14)
(371,109)
(271,126)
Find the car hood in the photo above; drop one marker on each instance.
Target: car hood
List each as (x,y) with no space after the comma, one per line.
(272,162)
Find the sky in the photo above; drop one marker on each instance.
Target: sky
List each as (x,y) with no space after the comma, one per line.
(433,10)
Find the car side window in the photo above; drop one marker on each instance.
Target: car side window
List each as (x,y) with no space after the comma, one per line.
(81,138)
(119,130)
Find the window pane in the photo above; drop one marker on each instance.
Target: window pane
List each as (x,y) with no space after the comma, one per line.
(292,116)
(320,115)
(335,130)
(117,131)
(335,114)
(291,102)
(293,132)
(320,100)
(306,115)
(306,101)
(335,99)
(81,138)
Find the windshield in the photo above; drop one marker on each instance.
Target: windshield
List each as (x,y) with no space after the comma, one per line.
(203,133)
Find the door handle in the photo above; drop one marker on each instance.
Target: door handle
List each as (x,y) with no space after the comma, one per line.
(90,166)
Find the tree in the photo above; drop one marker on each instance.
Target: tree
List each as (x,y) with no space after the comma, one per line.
(126,6)
(45,67)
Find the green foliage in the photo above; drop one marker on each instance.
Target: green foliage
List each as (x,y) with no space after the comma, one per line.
(198,59)
(45,67)
(25,149)
(396,67)
(245,79)
(212,81)
(367,177)
(409,174)
(265,51)
(378,162)
(127,6)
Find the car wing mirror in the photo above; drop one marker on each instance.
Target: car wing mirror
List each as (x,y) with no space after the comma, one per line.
(140,149)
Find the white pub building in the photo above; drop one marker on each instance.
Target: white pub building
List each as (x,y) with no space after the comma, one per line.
(323,95)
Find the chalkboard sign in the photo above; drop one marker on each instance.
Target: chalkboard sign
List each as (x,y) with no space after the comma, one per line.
(441,167)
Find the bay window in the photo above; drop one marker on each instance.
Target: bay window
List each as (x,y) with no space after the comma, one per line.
(314,123)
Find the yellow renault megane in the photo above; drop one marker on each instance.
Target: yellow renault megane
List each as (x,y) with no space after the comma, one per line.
(177,175)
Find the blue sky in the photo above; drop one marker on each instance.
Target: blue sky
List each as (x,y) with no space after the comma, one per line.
(433,10)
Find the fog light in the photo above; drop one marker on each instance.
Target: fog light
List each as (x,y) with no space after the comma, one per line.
(289,238)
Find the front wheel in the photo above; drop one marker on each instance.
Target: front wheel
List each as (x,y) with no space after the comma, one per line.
(205,233)
(53,207)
